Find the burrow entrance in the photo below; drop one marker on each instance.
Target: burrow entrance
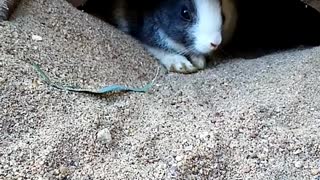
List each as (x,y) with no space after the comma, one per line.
(265,26)
(268,26)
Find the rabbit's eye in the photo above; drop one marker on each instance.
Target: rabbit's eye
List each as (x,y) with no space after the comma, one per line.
(185,13)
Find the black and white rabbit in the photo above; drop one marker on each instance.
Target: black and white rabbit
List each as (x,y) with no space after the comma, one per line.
(179,33)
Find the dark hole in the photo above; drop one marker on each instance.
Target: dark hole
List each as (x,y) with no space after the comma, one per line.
(268,26)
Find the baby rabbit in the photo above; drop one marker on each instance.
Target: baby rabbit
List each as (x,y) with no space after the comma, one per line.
(179,33)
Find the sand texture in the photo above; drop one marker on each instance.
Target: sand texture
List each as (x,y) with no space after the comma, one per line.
(240,119)
(313,3)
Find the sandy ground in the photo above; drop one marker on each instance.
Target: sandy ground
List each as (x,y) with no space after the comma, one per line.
(240,119)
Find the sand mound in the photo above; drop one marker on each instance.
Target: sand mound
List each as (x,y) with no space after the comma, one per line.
(242,119)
